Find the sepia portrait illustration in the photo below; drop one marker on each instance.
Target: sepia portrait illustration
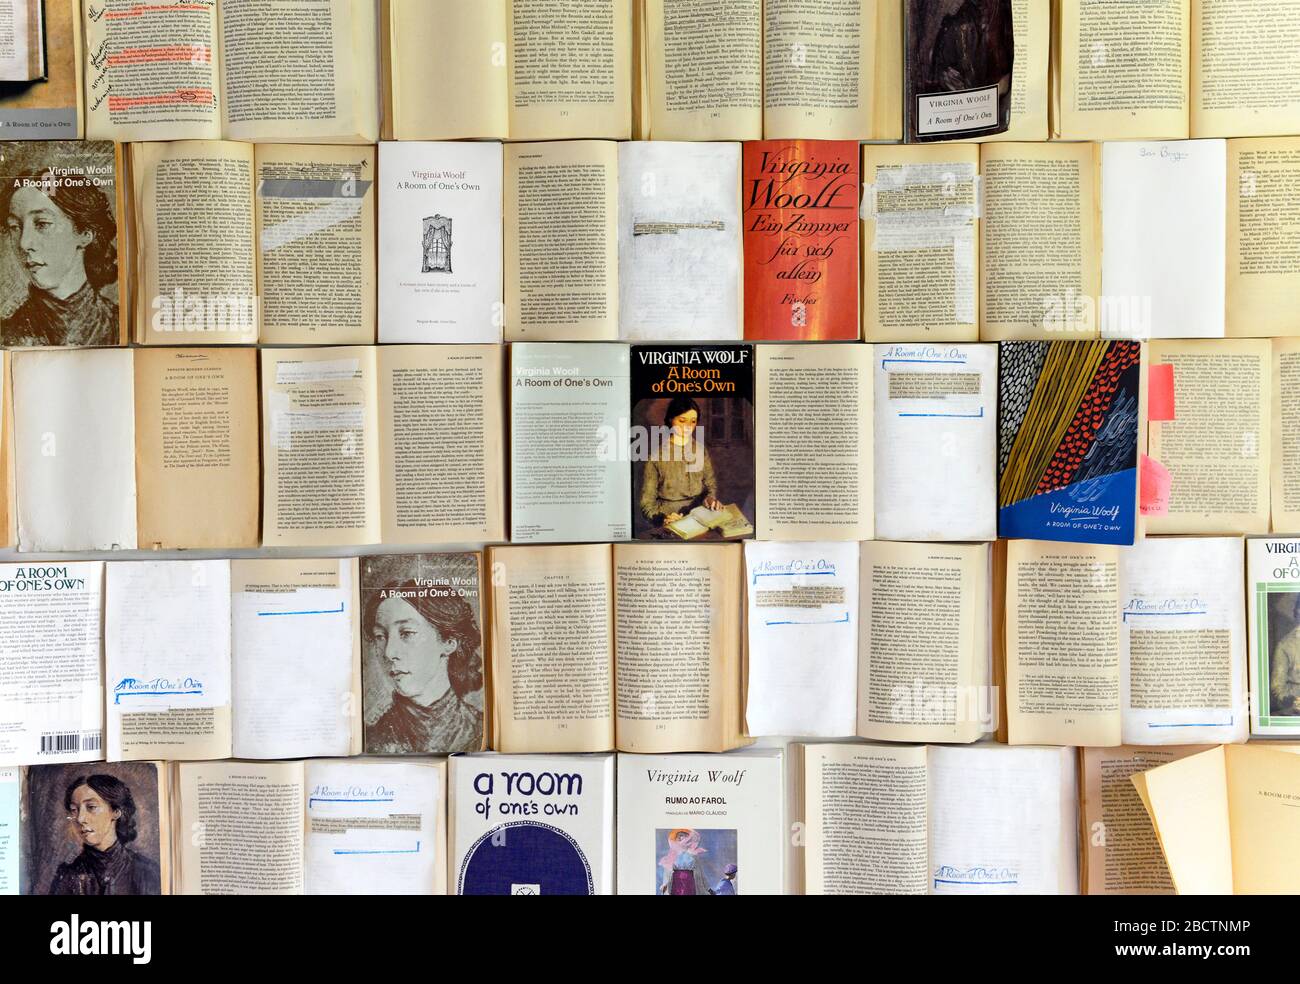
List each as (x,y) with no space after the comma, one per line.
(1284,654)
(436,245)
(422,659)
(696,862)
(93,829)
(59,283)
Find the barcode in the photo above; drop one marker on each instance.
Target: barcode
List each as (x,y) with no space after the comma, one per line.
(70,741)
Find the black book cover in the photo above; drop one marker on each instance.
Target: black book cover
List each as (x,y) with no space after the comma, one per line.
(957,58)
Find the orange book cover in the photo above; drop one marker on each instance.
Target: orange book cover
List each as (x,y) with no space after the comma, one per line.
(800,200)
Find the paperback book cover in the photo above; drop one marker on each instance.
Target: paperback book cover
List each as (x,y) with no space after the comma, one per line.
(1273,586)
(1068,440)
(800,203)
(692,442)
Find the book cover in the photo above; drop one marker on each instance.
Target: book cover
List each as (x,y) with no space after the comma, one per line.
(701,824)
(532,824)
(1068,440)
(800,221)
(957,62)
(1273,586)
(692,442)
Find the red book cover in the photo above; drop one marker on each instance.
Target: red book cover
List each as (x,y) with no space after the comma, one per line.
(800,200)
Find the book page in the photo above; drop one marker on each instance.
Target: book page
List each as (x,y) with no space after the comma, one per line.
(1183,641)
(920,243)
(1262,799)
(1285,432)
(704,68)
(813,458)
(1124,69)
(570,69)
(301,72)
(802,639)
(1032,26)
(1163,214)
(197,448)
(195,243)
(8,517)
(1002,821)
(887,109)
(296,658)
(442,472)
(923,649)
(1040,258)
(440,244)
(52,107)
(457,50)
(568,407)
(1263,261)
(74,450)
(936,442)
(818,69)
(866,815)
(552,648)
(139,90)
(316,244)
(167,659)
(677,613)
(1245,72)
(250,816)
(1122,853)
(1215,448)
(679,242)
(320,444)
(561,235)
(1063,640)
(51,680)
(375,827)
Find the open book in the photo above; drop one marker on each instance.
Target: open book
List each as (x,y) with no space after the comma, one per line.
(237,243)
(322,827)
(249,70)
(729,521)
(22,41)
(627,646)
(507,69)
(48,106)
(917,820)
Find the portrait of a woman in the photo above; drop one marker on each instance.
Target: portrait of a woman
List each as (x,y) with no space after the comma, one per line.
(430,646)
(62,231)
(679,473)
(681,865)
(102,814)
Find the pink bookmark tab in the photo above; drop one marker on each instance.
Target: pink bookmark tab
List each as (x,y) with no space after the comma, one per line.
(1160,393)
(1154,484)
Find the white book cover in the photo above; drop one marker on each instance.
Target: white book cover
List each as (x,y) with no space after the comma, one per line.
(679,243)
(531,824)
(702,824)
(936,442)
(51,679)
(440,221)
(1164,221)
(1183,641)
(1273,587)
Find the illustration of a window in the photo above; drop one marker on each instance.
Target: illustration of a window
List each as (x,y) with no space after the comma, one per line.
(437,245)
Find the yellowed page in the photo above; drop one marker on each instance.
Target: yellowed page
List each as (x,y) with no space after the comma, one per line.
(814,429)
(1217,447)
(1032,23)
(197,277)
(1285,458)
(561,235)
(1263,797)
(196,440)
(570,69)
(1263,264)
(1188,804)
(448,71)
(1062,639)
(241,828)
(920,243)
(704,69)
(1245,77)
(552,648)
(1125,69)
(1040,257)
(442,466)
(677,615)
(887,102)
(320,447)
(8,530)
(816,86)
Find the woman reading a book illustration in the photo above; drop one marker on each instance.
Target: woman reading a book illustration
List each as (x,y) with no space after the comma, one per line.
(63,232)
(679,474)
(101,812)
(431,645)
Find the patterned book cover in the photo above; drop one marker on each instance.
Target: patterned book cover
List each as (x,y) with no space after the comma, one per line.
(1068,440)
(800,221)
